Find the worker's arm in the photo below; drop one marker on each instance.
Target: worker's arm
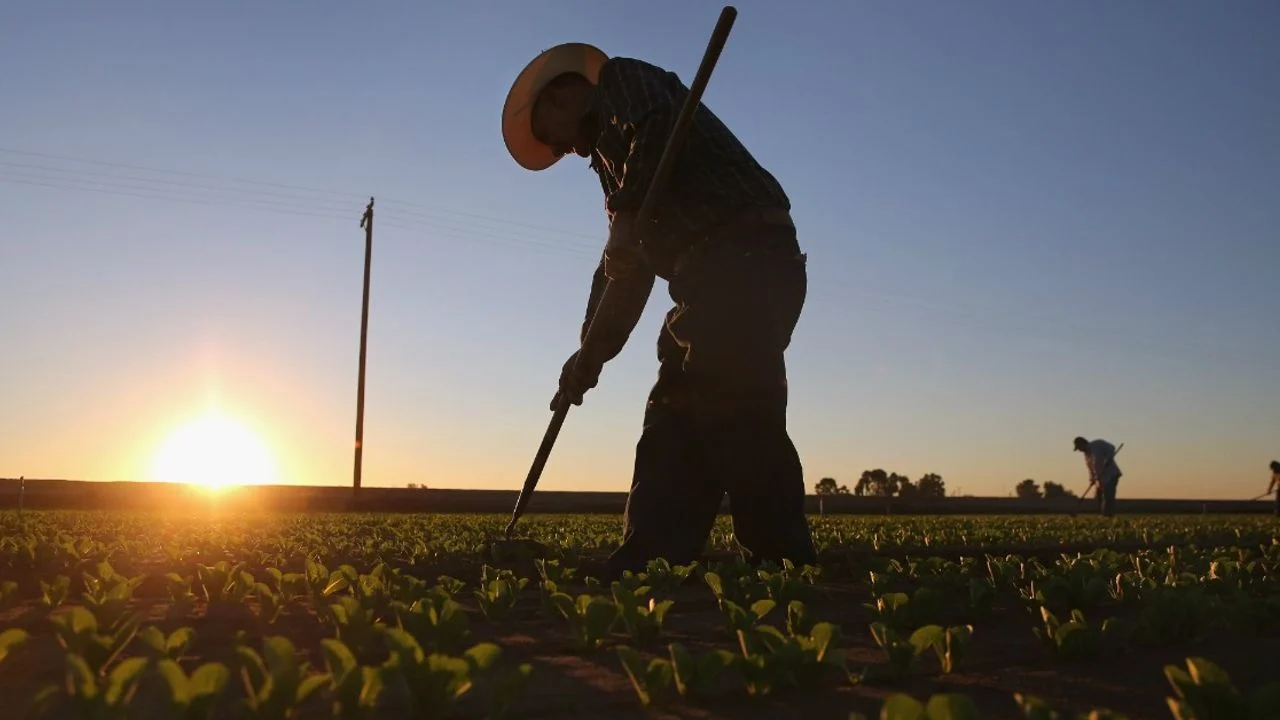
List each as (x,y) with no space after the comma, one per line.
(611,322)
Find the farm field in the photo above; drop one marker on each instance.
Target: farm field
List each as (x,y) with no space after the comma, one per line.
(197,614)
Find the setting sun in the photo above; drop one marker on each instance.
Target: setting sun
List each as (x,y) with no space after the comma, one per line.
(214,451)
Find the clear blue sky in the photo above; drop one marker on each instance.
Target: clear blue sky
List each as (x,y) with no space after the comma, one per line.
(1025,221)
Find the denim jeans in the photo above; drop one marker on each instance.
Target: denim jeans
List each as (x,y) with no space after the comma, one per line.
(715,420)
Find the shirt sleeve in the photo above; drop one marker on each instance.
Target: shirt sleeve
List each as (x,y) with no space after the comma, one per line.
(636,100)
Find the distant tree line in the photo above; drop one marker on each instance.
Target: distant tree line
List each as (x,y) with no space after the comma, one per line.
(1030,490)
(879,483)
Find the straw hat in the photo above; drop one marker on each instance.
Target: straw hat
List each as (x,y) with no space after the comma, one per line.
(517,123)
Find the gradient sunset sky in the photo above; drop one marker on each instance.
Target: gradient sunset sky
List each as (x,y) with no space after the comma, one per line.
(1025,222)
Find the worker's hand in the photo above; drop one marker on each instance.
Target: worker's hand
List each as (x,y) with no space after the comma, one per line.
(580,373)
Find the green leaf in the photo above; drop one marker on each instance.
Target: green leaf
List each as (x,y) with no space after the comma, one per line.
(176,679)
(178,642)
(763,607)
(11,640)
(309,685)
(483,656)
(902,707)
(123,677)
(929,636)
(337,657)
(951,706)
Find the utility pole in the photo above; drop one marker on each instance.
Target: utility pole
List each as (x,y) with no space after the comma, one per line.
(366,222)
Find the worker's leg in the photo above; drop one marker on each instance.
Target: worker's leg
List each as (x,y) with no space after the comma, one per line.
(673,500)
(739,302)
(1108,493)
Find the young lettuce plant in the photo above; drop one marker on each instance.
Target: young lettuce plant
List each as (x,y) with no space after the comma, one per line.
(900,654)
(498,592)
(434,682)
(652,681)
(354,688)
(665,578)
(590,617)
(942,706)
(55,593)
(643,621)
(1035,708)
(11,640)
(948,643)
(274,681)
(1205,692)
(771,661)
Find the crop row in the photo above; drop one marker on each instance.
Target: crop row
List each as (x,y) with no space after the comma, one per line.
(402,643)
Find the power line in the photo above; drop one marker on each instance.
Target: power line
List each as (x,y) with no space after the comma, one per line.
(302,188)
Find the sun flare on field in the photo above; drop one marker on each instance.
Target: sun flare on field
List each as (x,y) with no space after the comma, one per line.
(214,452)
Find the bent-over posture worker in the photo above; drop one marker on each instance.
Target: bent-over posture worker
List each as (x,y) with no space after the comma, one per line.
(1274,486)
(1100,457)
(721,236)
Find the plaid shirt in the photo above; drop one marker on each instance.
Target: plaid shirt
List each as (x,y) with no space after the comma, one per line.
(635,105)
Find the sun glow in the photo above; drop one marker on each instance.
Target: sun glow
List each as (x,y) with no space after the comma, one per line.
(214,452)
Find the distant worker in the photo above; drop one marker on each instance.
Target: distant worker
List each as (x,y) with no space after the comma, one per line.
(1100,457)
(1274,487)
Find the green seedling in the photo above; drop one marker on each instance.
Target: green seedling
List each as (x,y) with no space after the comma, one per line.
(159,646)
(498,592)
(434,681)
(437,622)
(948,643)
(771,661)
(354,688)
(55,593)
(275,682)
(87,693)
(799,620)
(197,695)
(1205,692)
(642,620)
(11,640)
(892,609)
(354,624)
(695,676)
(664,578)
(900,654)
(591,618)
(942,706)
(651,681)
(270,603)
(8,595)
(78,632)
(741,619)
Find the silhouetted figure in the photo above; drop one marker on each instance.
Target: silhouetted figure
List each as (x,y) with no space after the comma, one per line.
(1100,457)
(1274,486)
(721,235)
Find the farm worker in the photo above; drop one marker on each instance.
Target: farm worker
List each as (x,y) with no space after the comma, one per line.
(1274,486)
(721,235)
(1100,457)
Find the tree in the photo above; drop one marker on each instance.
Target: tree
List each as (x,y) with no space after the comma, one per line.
(1028,489)
(931,485)
(907,489)
(828,486)
(878,483)
(1053,491)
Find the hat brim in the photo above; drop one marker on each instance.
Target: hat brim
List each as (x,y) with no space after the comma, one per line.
(517,121)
